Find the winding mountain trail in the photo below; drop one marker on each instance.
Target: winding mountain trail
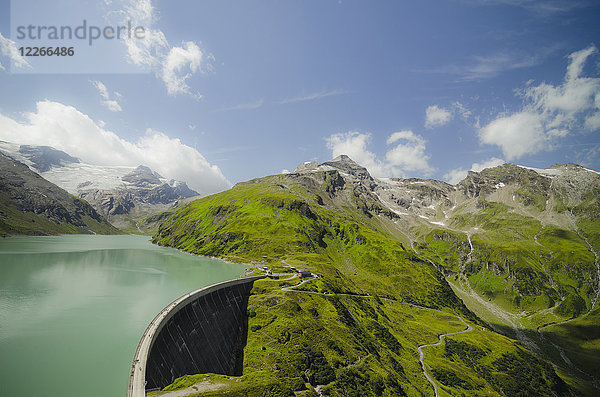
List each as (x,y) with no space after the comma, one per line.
(438,343)
(441,337)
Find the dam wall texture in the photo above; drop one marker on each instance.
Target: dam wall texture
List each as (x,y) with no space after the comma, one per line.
(200,332)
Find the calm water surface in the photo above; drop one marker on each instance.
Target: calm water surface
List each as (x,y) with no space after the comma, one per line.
(72,308)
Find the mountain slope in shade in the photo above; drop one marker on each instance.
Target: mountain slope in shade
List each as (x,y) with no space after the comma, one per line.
(29,204)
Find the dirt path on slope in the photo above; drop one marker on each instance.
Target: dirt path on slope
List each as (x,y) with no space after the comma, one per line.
(438,343)
(419,348)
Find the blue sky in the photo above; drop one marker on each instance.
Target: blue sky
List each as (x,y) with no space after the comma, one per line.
(226,91)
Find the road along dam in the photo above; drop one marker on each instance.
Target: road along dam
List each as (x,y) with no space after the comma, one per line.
(200,332)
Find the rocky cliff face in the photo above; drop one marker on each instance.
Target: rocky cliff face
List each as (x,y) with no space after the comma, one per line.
(533,192)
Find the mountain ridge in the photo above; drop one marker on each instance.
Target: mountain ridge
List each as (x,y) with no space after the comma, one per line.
(514,244)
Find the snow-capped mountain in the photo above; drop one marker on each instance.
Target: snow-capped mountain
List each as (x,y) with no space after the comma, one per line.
(120,193)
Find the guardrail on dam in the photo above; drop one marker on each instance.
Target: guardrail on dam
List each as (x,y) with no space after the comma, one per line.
(202,331)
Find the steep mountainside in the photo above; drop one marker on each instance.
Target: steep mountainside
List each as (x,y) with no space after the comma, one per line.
(123,195)
(517,245)
(29,204)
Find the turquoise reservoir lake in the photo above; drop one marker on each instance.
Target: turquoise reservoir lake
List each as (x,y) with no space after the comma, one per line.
(72,308)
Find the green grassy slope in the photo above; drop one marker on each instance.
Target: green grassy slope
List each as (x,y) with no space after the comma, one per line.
(352,332)
(530,251)
(367,346)
(532,262)
(281,220)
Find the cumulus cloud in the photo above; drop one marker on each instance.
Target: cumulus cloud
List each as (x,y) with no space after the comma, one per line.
(179,59)
(354,144)
(436,116)
(549,112)
(517,134)
(8,48)
(458,174)
(407,154)
(66,128)
(111,104)
(173,64)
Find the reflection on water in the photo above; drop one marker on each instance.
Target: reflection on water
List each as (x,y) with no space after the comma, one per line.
(72,308)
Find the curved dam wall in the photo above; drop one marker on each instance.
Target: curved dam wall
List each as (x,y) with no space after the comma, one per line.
(200,332)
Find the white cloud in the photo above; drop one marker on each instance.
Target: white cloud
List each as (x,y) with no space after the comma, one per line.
(458,174)
(549,112)
(407,154)
(436,116)
(518,134)
(9,49)
(285,171)
(313,96)
(410,155)
(354,144)
(173,64)
(455,176)
(111,104)
(493,162)
(179,59)
(66,128)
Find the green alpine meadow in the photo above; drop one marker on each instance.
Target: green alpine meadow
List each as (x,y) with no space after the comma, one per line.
(407,286)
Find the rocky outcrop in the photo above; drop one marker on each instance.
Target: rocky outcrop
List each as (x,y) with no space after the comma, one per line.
(144,190)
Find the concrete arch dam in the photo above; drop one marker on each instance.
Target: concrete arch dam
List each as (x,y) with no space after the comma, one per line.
(202,331)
